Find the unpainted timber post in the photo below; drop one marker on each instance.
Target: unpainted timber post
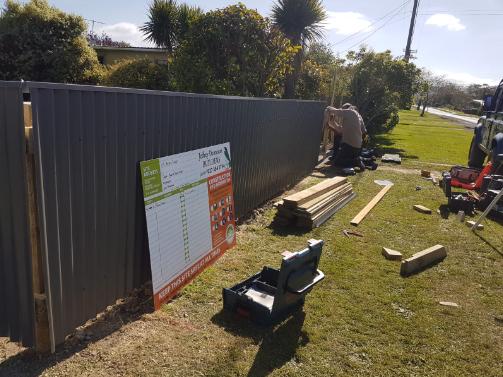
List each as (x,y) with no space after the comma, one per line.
(42,338)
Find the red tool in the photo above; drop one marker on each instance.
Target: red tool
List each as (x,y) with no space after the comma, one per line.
(475,185)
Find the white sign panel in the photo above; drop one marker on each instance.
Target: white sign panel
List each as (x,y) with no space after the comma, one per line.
(190,214)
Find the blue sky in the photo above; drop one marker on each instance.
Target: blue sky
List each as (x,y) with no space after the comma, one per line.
(452,38)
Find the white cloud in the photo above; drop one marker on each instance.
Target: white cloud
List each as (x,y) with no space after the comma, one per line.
(447,21)
(346,23)
(125,31)
(465,78)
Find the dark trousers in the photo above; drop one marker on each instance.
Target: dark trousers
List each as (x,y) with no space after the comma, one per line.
(347,156)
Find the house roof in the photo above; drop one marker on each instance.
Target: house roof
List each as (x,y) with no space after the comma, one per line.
(132,49)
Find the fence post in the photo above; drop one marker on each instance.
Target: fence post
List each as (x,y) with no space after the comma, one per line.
(42,339)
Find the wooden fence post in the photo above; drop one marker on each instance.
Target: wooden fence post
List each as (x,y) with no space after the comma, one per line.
(42,338)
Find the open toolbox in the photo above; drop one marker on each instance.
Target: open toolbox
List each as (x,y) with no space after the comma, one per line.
(271,295)
(457,201)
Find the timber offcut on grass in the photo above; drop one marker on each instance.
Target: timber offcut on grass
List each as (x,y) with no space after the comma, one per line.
(423,259)
(365,211)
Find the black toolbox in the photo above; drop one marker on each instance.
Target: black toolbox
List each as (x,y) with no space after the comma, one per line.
(457,201)
(271,295)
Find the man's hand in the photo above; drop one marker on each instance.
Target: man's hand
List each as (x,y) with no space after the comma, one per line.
(366,138)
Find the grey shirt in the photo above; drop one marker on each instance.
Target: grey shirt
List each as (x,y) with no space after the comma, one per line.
(352,126)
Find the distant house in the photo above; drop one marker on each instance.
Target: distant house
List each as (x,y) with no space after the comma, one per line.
(111,55)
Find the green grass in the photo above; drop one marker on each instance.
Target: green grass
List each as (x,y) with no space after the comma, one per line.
(428,139)
(364,319)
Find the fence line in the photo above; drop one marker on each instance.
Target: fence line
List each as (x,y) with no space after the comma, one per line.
(88,142)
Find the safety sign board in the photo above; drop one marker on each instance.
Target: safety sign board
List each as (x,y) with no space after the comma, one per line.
(189,208)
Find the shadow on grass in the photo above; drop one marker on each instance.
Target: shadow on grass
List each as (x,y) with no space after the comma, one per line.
(499,220)
(383,145)
(286,230)
(278,344)
(490,244)
(28,363)
(326,171)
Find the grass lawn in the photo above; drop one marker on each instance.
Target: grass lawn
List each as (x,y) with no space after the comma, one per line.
(362,320)
(428,139)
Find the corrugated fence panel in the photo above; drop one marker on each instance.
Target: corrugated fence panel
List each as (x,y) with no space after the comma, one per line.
(88,143)
(16,292)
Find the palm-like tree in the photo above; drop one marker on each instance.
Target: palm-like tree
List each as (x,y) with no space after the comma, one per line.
(300,21)
(161,27)
(187,15)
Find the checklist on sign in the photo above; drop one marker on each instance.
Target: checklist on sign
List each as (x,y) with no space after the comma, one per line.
(189,207)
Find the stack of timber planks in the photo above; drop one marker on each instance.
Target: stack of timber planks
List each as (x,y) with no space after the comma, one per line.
(312,207)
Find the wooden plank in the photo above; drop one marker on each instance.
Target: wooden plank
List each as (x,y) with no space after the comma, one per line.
(391,254)
(471,223)
(422,259)
(42,338)
(364,212)
(323,197)
(314,191)
(324,216)
(327,208)
(326,203)
(422,209)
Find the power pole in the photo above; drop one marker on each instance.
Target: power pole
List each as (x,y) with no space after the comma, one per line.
(411,31)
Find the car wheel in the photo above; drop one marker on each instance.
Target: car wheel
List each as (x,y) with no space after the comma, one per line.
(476,157)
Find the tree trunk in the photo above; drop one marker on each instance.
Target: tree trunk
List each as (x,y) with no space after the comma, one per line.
(425,103)
(292,78)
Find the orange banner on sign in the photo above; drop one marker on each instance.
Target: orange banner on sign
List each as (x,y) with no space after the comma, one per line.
(223,234)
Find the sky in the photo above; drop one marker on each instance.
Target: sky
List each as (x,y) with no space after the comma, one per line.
(459,39)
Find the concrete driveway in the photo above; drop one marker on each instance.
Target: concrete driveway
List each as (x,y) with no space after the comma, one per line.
(466,121)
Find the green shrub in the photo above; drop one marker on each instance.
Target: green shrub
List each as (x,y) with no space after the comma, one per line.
(380,86)
(40,42)
(141,74)
(233,51)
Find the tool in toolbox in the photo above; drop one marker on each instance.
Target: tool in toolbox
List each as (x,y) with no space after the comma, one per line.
(271,295)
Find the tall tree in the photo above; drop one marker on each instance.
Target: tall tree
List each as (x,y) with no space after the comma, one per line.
(169,22)
(300,21)
(380,85)
(41,43)
(187,15)
(233,51)
(161,27)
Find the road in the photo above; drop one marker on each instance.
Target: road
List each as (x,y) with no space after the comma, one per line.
(466,121)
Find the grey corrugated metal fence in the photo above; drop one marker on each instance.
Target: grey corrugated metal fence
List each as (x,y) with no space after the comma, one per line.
(16,295)
(88,142)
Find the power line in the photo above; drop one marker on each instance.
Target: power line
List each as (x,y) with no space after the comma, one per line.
(371,34)
(364,30)
(462,14)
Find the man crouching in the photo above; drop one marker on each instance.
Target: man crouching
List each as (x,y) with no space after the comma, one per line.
(350,130)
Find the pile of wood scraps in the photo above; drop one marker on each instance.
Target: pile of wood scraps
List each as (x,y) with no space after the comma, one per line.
(312,207)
